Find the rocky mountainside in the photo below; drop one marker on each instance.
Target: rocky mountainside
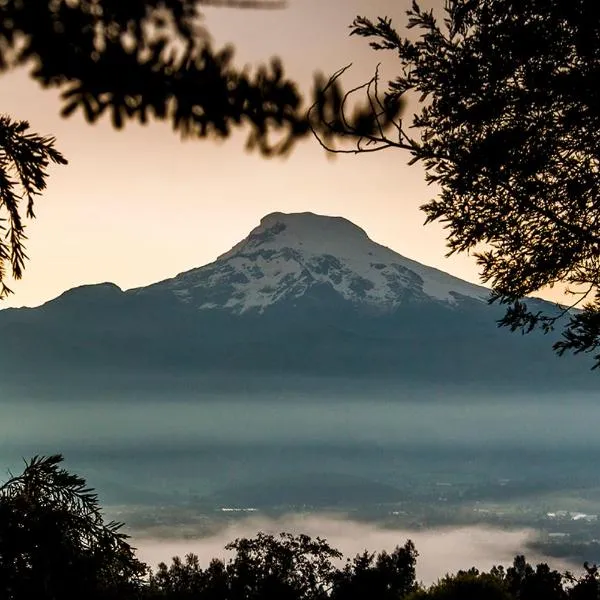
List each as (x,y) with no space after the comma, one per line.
(302,296)
(288,255)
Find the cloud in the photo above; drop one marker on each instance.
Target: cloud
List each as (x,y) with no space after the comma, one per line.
(441,551)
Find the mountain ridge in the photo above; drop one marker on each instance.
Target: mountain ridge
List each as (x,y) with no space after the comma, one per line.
(281,304)
(287,254)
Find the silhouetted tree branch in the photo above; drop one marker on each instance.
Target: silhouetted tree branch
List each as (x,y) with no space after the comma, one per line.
(367,127)
(152,59)
(54,545)
(136,60)
(54,542)
(508,128)
(24,161)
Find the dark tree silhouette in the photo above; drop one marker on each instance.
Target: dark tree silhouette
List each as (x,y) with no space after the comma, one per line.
(138,60)
(383,576)
(150,59)
(55,545)
(467,585)
(529,583)
(508,127)
(24,160)
(284,567)
(54,542)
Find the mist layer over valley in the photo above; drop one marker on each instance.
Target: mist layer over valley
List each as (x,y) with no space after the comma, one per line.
(308,371)
(193,465)
(441,550)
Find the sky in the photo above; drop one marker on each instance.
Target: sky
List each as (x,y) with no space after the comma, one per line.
(140,205)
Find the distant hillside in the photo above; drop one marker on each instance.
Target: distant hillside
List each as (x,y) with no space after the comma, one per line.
(302,296)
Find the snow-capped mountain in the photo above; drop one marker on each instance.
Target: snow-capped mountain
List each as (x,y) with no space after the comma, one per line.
(301,296)
(289,254)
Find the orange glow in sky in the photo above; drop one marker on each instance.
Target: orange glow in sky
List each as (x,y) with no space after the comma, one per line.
(140,205)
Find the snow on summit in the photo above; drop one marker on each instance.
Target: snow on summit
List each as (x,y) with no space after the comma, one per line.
(311,233)
(288,254)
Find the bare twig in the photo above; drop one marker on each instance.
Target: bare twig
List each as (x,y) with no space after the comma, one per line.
(341,126)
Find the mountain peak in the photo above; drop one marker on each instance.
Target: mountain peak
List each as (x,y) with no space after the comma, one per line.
(311,224)
(289,254)
(320,233)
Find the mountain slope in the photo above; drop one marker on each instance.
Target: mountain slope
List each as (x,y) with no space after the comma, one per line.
(287,255)
(302,296)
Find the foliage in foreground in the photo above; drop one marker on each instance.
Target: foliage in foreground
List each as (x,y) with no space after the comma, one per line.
(507,128)
(54,542)
(55,545)
(140,61)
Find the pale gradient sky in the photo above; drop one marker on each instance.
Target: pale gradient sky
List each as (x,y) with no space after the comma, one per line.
(140,205)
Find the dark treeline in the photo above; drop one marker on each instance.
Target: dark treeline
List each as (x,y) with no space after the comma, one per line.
(55,544)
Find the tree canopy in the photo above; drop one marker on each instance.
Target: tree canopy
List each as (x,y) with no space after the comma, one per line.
(55,544)
(24,161)
(507,127)
(150,59)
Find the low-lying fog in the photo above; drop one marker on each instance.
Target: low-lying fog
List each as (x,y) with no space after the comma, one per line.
(441,551)
(214,442)
(131,421)
(429,455)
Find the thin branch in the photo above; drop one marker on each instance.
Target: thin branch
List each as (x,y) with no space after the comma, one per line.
(382,141)
(345,99)
(371,104)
